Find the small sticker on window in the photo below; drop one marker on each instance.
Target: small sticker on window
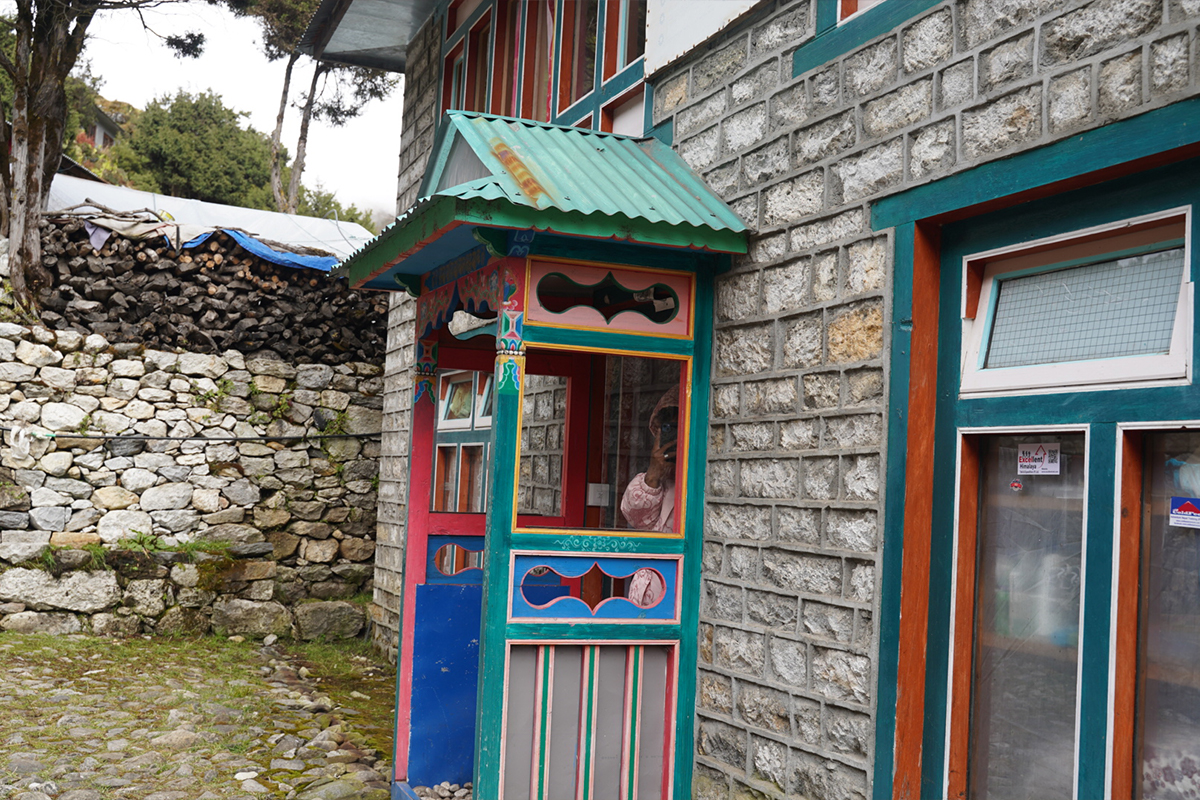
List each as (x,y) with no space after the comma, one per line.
(1185,512)
(1038,459)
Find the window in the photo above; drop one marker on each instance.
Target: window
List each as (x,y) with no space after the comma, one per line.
(619,420)
(1016,639)
(1105,306)
(848,8)
(464,421)
(569,62)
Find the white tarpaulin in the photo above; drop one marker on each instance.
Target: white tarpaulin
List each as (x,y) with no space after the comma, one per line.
(339,238)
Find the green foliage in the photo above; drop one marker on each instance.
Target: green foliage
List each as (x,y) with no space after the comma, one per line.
(209,546)
(319,202)
(98,553)
(194,146)
(142,542)
(212,398)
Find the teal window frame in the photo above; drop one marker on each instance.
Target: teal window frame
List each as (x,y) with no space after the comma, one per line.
(1099,409)
(1166,135)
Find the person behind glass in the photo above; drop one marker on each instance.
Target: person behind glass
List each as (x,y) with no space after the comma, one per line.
(649,500)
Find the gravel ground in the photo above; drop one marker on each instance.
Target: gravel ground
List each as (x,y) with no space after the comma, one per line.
(85,718)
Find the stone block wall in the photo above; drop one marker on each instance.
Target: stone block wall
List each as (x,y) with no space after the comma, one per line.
(421,107)
(787,678)
(187,459)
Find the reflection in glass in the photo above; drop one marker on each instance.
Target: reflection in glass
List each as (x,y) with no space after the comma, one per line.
(559,293)
(459,478)
(583,48)
(1027,623)
(634,428)
(543,427)
(452,559)
(1169,713)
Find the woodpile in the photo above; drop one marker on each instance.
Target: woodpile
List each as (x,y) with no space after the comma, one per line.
(210,298)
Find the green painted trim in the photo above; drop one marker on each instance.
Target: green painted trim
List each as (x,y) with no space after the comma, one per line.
(1097,607)
(685,733)
(1154,190)
(570,337)
(547,654)
(497,544)
(588,742)
(891,562)
(636,255)
(833,40)
(635,700)
(501,213)
(1149,134)
(427,219)
(630,545)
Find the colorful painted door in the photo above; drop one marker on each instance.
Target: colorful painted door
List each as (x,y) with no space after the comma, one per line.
(591,559)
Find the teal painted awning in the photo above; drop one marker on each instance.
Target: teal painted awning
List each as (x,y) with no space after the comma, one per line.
(499,172)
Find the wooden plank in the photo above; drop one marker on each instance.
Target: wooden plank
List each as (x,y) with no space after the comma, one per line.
(1125,680)
(918,515)
(962,673)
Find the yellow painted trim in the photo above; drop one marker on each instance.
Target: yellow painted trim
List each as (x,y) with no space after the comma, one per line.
(690,276)
(684,403)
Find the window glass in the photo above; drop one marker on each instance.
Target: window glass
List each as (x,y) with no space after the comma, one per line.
(539,36)
(543,445)
(1121,307)
(580,73)
(1169,718)
(627,454)
(1029,554)
(633,18)
(462,442)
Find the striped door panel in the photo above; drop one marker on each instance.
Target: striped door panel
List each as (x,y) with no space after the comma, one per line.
(589,722)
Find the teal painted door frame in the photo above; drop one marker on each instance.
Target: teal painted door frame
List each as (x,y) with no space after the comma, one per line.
(1163,136)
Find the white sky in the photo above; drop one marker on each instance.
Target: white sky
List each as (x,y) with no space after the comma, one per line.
(357,162)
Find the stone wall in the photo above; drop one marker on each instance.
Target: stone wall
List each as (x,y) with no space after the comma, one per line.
(421,105)
(788,652)
(179,461)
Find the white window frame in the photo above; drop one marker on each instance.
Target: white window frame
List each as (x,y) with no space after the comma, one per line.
(1173,368)
(863,7)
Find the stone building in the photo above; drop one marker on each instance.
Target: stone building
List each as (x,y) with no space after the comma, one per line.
(949,475)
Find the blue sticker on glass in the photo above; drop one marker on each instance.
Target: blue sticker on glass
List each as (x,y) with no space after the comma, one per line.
(1185,512)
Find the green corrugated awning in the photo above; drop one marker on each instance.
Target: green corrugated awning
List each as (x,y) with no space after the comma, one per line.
(500,172)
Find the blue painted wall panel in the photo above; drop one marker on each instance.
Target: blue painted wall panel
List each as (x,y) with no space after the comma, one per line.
(445,677)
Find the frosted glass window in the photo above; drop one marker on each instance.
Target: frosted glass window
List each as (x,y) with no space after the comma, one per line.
(1123,307)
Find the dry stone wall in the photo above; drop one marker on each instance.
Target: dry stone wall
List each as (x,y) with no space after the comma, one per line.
(788,650)
(143,490)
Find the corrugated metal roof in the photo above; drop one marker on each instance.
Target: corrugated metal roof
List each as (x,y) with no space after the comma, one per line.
(548,166)
(520,174)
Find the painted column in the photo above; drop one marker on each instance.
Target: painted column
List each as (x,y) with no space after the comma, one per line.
(420,476)
(506,432)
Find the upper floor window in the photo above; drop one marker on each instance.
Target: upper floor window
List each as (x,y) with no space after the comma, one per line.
(569,62)
(1099,307)
(848,8)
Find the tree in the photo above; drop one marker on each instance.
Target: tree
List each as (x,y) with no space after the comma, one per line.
(48,36)
(336,93)
(194,146)
(321,203)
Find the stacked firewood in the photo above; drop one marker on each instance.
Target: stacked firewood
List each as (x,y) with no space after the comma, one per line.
(210,298)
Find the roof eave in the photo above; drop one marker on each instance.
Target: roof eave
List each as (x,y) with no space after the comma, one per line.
(431,217)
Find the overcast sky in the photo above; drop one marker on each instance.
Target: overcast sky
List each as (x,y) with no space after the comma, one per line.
(358,161)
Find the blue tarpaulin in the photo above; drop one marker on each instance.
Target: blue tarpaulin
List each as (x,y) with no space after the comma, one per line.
(249,243)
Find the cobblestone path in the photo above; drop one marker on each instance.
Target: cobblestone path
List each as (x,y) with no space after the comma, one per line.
(85,718)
